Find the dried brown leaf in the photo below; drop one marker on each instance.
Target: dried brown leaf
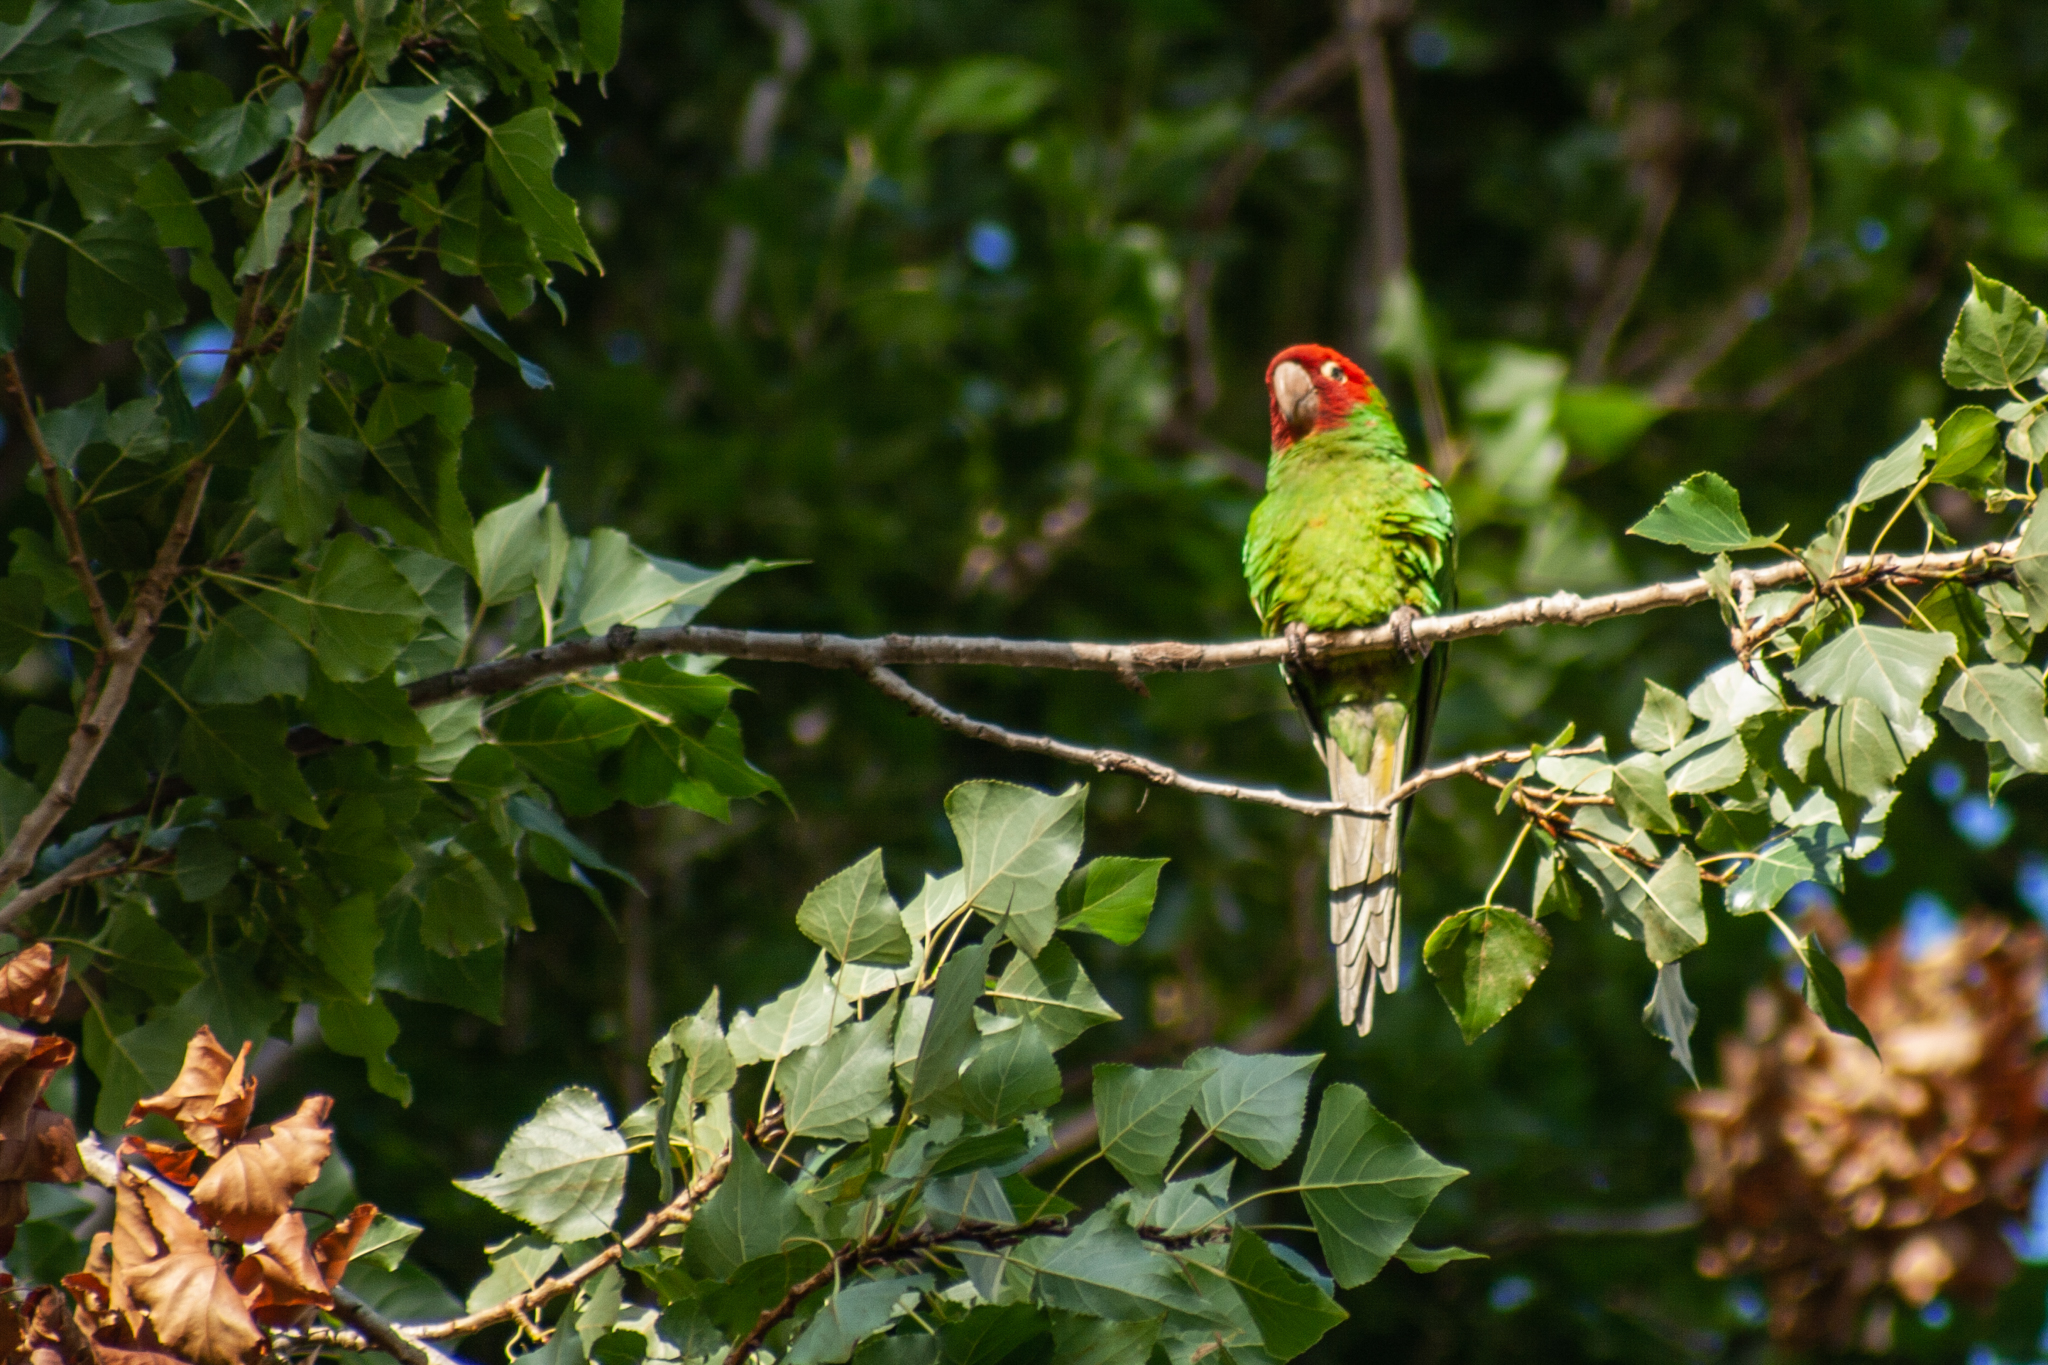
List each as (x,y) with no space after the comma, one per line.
(173,1163)
(195,1309)
(338,1243)
(211,1098)
(32,982)
(255,1180)
(281,1275)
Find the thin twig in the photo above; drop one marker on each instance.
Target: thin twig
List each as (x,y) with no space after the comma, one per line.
(86,866)
(1301,81)
(677,1210)
(382,1333)
(1159,774)
(624,644)
(1674,388)
(1825,355)
(901,1247)
(763,111)
(53,487)
(1651,139)
(125,657)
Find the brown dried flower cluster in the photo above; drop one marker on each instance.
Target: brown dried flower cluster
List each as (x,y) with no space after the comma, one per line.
(1851,1184)
(206,1250)
(36,1143)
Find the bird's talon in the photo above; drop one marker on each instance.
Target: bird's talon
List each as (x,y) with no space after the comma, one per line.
(1297,643)
(1403,623)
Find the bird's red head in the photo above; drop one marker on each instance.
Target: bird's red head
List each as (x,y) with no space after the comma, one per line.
(1313,388)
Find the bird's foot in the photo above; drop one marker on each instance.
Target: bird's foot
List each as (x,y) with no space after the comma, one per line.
(1403,623)
(1297,643)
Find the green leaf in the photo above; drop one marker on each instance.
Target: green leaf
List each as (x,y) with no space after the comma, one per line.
(2001,703)
(516,1265)
(1662,721)
(1139,1114)
(344,936)
(273,230)
(1111,897)
(1891,668)
(1864,749)
(2030,570)
(139,952)
(521,156)
(1012,1075)
(1704,514)
(297,371)
(228,141)
(852,916)
(364,610)
(855,1311)
(1998,339)
(1641,796)
(386,118)
(252,651)
(531,374)
(1810,854)
(510,545)
(205,865)
(991,1334)
(1292,1311)
(299,486)
(1429,1260)
(1673,921)
(230,751)
(1965,453)
(1255,1102)
(118,283)
(1670,1015)
(949,1032)
(386,1241)
(1102,1269)
(1558,889)
(564,1170)
(356,1029)
(102,140)
(1897,469)
(600,22)
(373,712)
(1484,961)
(2007,636)
(1079,1339)
(1052,992)
(830,1089)
(1366,1184)
(136,1062)
(751,1215)
(623,585)
(469,893)
(1016,847)
(562,737)
(802,1015)
(1827,995)
(985,95)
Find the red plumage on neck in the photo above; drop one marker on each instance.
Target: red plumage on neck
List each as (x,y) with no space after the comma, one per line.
(1338,395)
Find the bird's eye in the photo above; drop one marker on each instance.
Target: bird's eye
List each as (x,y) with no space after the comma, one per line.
(1333,370)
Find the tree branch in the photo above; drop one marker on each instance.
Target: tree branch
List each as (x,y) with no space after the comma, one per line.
(124,661)
(757,134)
(53,484)
(897,1248)
(93,863)
(1651,138)
(1823,356)
(677,1210)
(381,1333)
(1303,80)
(1674,388)
(623,644)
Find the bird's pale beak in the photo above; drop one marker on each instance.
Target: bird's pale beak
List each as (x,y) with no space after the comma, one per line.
(1295,393)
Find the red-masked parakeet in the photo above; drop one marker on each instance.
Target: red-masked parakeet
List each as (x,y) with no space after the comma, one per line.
(1352,533)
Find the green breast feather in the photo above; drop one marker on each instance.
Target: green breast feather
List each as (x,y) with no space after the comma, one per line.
(1348,530)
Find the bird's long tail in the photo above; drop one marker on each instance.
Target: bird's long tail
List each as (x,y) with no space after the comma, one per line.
(1365,853)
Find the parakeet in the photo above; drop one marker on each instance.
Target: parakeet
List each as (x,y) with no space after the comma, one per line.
(1352,533)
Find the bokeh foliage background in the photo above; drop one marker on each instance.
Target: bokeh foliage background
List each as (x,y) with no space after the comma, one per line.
(965,303)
